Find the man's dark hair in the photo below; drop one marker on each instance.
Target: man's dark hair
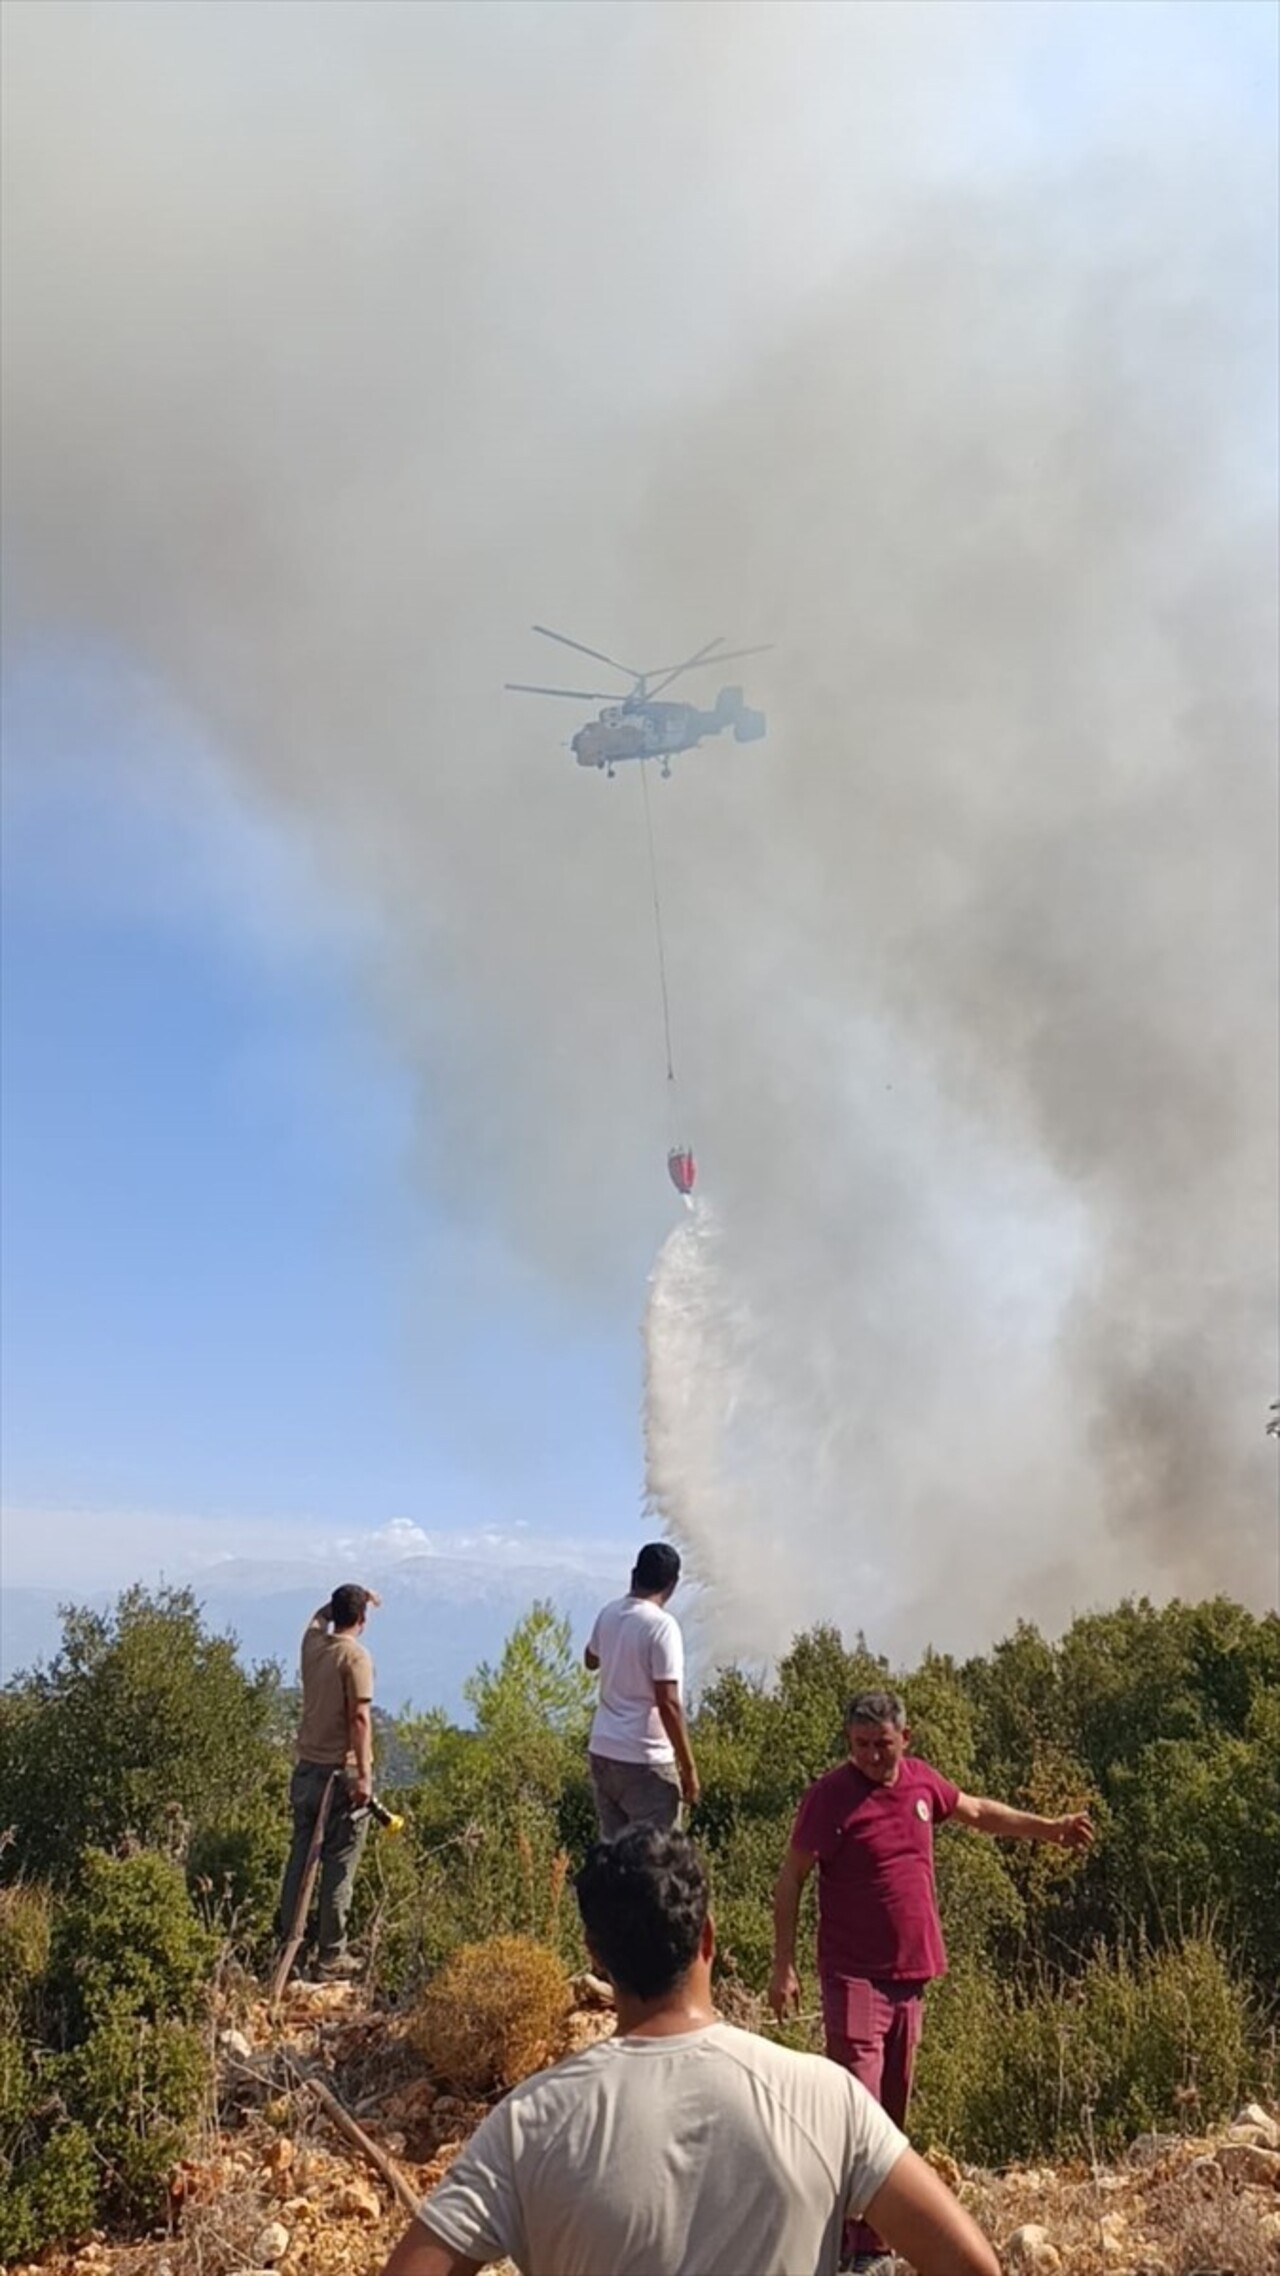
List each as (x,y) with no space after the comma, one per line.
(643,1900)
(876,1707)
(657,1567)
(348,1605)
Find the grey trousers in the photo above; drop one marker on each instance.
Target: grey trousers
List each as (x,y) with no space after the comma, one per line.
(634,1794)
(339,1855)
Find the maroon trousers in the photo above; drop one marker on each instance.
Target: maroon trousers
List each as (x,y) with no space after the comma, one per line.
(873,2030)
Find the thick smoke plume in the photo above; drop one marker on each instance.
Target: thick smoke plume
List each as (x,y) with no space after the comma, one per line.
(334,357)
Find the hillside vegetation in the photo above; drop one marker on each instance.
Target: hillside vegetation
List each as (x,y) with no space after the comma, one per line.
(143,1776)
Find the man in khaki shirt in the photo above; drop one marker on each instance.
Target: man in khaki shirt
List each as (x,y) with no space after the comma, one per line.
(335,1742)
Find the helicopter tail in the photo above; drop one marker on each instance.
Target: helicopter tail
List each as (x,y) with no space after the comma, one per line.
(748,726)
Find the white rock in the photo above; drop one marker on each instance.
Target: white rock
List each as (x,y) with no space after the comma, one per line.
(271,2243)
(1253,2114)
(1031,2248)
(234,2043)
(362,2198)
(1245,2162)
(587,1990)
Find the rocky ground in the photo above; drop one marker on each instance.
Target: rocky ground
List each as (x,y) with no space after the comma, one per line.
(279,2188)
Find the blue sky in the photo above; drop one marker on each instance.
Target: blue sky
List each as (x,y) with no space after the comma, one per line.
(215,1252)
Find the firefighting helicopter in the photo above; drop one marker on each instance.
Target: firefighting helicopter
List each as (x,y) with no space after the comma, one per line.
(636,726)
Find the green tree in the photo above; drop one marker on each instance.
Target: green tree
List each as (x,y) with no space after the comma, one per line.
(487,1853)
(143,1728)
(535,1704)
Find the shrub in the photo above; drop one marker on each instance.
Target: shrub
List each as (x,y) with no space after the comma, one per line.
(234,1868)
(129,1940)
(24,1939)
(960,2069)
(743,1871)
(495,2012)
(49,2197)
(451,1880)
(1133,2044)
(143,1725)
(138,2085)
(102,2072)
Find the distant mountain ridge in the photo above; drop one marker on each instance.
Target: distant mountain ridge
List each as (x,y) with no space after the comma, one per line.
(442,1613)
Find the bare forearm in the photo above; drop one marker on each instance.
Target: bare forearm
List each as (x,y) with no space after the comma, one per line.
(360,1734)
(1072,1831)
(677,1730)
(786,1913)
(919,2216)
(1016,1825)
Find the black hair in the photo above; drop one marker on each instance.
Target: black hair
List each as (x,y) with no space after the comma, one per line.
(876,1707)
(656,1568)
(348,1605)
(643,1900)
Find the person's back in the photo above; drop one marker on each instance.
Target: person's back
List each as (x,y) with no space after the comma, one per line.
(637,1641)
(336,1670)
(639,1754)
(783,2148)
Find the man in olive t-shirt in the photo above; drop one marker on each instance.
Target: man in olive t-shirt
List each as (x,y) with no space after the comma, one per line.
(335,1741)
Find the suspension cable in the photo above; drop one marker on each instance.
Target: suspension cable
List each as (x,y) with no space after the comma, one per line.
(657,919)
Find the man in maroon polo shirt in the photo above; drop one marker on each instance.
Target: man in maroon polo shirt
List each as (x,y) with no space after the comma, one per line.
(868,1826)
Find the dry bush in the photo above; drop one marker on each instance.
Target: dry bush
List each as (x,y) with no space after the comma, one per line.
(1184,2223)
(495,2012)
(214,2238)
(1198,2230)
(24,1936)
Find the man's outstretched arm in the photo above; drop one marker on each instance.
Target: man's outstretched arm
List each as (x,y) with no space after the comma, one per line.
(917,2214)
(1074,1831)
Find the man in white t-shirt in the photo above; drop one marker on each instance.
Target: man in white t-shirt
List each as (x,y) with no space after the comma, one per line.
(641,1762)
(681,2147)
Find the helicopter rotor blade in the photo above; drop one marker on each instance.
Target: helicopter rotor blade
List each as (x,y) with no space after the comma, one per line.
(583,650)
(670,672)
(576,695)
(713,653)
(729,654)
(660,671)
